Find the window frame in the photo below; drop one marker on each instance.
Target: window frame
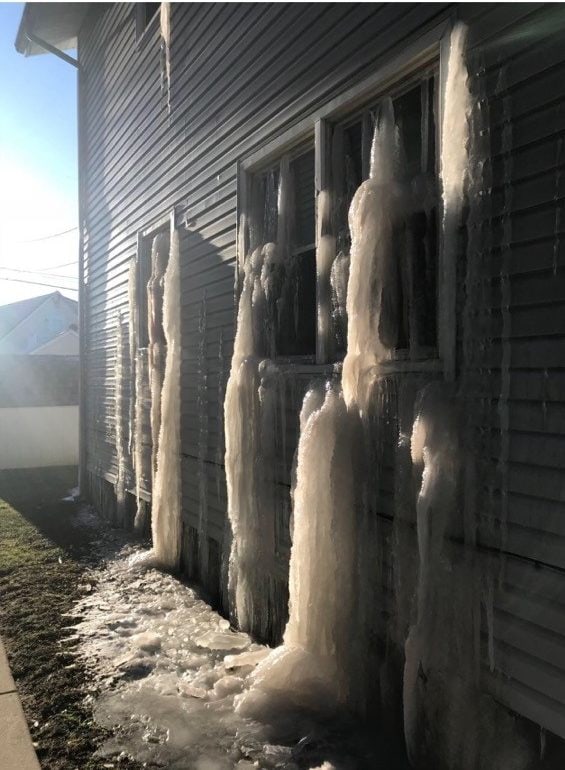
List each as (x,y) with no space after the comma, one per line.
(144,30)
(428,51)
(145,237)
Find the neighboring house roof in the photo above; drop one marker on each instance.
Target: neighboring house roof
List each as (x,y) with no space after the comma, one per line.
(55,23)
(13,314)
(64,344)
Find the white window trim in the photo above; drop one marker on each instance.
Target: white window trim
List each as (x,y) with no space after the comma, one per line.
(432,46)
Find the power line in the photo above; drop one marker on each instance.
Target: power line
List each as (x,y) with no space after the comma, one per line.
(38,283)
(39,273)
(66,264)
(48,237)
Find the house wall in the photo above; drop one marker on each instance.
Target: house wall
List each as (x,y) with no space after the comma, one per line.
(242,74)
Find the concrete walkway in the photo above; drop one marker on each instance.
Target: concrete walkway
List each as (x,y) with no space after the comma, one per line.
(16,748)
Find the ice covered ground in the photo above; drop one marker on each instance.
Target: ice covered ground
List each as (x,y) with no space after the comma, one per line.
(166,675)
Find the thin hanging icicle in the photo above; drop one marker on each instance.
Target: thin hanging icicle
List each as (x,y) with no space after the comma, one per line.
(325,255)
(165,24)
(141,380)
(166,499)
(119,399)
(133,320)
(157,342)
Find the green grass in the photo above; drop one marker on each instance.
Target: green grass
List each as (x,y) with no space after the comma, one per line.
(43,556)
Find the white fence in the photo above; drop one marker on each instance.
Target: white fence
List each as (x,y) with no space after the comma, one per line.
(38,436)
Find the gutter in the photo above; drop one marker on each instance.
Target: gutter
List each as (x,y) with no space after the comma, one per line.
(50,48)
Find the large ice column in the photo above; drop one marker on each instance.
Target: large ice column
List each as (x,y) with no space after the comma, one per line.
(320,662)
(166,499)
(375,210)
(249,432)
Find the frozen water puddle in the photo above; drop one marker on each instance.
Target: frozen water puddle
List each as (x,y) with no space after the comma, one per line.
(170,669)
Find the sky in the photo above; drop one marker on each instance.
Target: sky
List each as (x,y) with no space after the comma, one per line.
(38,169)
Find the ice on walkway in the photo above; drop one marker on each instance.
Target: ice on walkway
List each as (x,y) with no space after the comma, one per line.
(167,673)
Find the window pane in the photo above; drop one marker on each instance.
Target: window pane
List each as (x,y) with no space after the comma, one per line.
(282,212)
(302,170)
(296,333)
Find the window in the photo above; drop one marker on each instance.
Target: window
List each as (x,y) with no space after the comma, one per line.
(413,290)
(309,315)
(152,259)
(145,12)
(283,213)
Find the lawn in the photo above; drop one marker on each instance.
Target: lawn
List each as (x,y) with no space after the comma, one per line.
(44,553)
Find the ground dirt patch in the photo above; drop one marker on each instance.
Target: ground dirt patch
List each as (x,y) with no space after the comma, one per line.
(43,555)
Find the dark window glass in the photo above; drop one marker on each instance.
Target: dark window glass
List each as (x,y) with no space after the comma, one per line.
(148,11)
(293,305)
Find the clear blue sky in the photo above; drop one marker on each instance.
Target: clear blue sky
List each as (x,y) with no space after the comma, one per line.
(38,165)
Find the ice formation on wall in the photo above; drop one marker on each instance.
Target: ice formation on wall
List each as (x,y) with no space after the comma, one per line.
(375,209)
(318,662)
(141,377)
(119,400)
(251,408)
(133,322)
(454,167)
(166,497)
(157,341)
(138,371)
(247,411)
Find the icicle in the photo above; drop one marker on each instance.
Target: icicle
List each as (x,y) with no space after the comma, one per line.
(375,209)
(166,498)
(220,447)
(119,398)
(165,23)
(157,342)
(325,255)
(202,410)
(141,379)
(246,412)
(133,321)
(454,163)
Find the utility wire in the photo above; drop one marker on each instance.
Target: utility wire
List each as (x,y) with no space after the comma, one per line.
(39,273)
(66,264)
(48,237)
(38,283)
